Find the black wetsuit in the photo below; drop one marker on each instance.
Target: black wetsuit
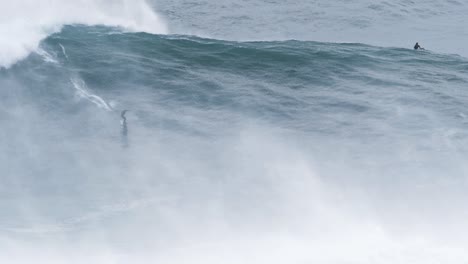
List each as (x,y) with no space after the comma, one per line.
(124,123)
(417,46)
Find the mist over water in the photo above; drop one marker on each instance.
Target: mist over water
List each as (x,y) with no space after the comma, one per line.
(271,151)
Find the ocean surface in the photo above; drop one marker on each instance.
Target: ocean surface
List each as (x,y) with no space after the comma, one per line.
(255,132)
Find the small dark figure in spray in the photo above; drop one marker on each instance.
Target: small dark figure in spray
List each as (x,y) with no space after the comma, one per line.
(416,46)
(123,123)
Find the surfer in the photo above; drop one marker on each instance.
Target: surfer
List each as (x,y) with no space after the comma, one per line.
(416,46)
(123,122)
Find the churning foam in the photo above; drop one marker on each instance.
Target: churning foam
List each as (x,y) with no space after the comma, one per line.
(24,23)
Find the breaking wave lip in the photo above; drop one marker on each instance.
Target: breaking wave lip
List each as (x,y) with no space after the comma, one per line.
(35,20)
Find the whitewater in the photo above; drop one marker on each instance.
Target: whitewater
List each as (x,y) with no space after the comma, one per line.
(255,132)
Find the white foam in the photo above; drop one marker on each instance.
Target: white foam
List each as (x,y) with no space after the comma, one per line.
(64,51)
(46,56)
(24,23)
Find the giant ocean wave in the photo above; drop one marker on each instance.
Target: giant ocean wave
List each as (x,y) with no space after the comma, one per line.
(236,152)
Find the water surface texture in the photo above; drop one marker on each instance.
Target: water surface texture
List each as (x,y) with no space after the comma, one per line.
(255,132)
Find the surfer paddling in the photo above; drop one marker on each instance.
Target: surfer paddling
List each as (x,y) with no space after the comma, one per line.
(416,46)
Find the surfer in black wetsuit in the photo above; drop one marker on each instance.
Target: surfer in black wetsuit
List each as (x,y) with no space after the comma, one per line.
(123,123)
(416,46)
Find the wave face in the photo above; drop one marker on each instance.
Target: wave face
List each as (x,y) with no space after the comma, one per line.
(231,152)
(437,25)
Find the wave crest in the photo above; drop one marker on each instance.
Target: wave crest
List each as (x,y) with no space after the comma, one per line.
(24,23)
